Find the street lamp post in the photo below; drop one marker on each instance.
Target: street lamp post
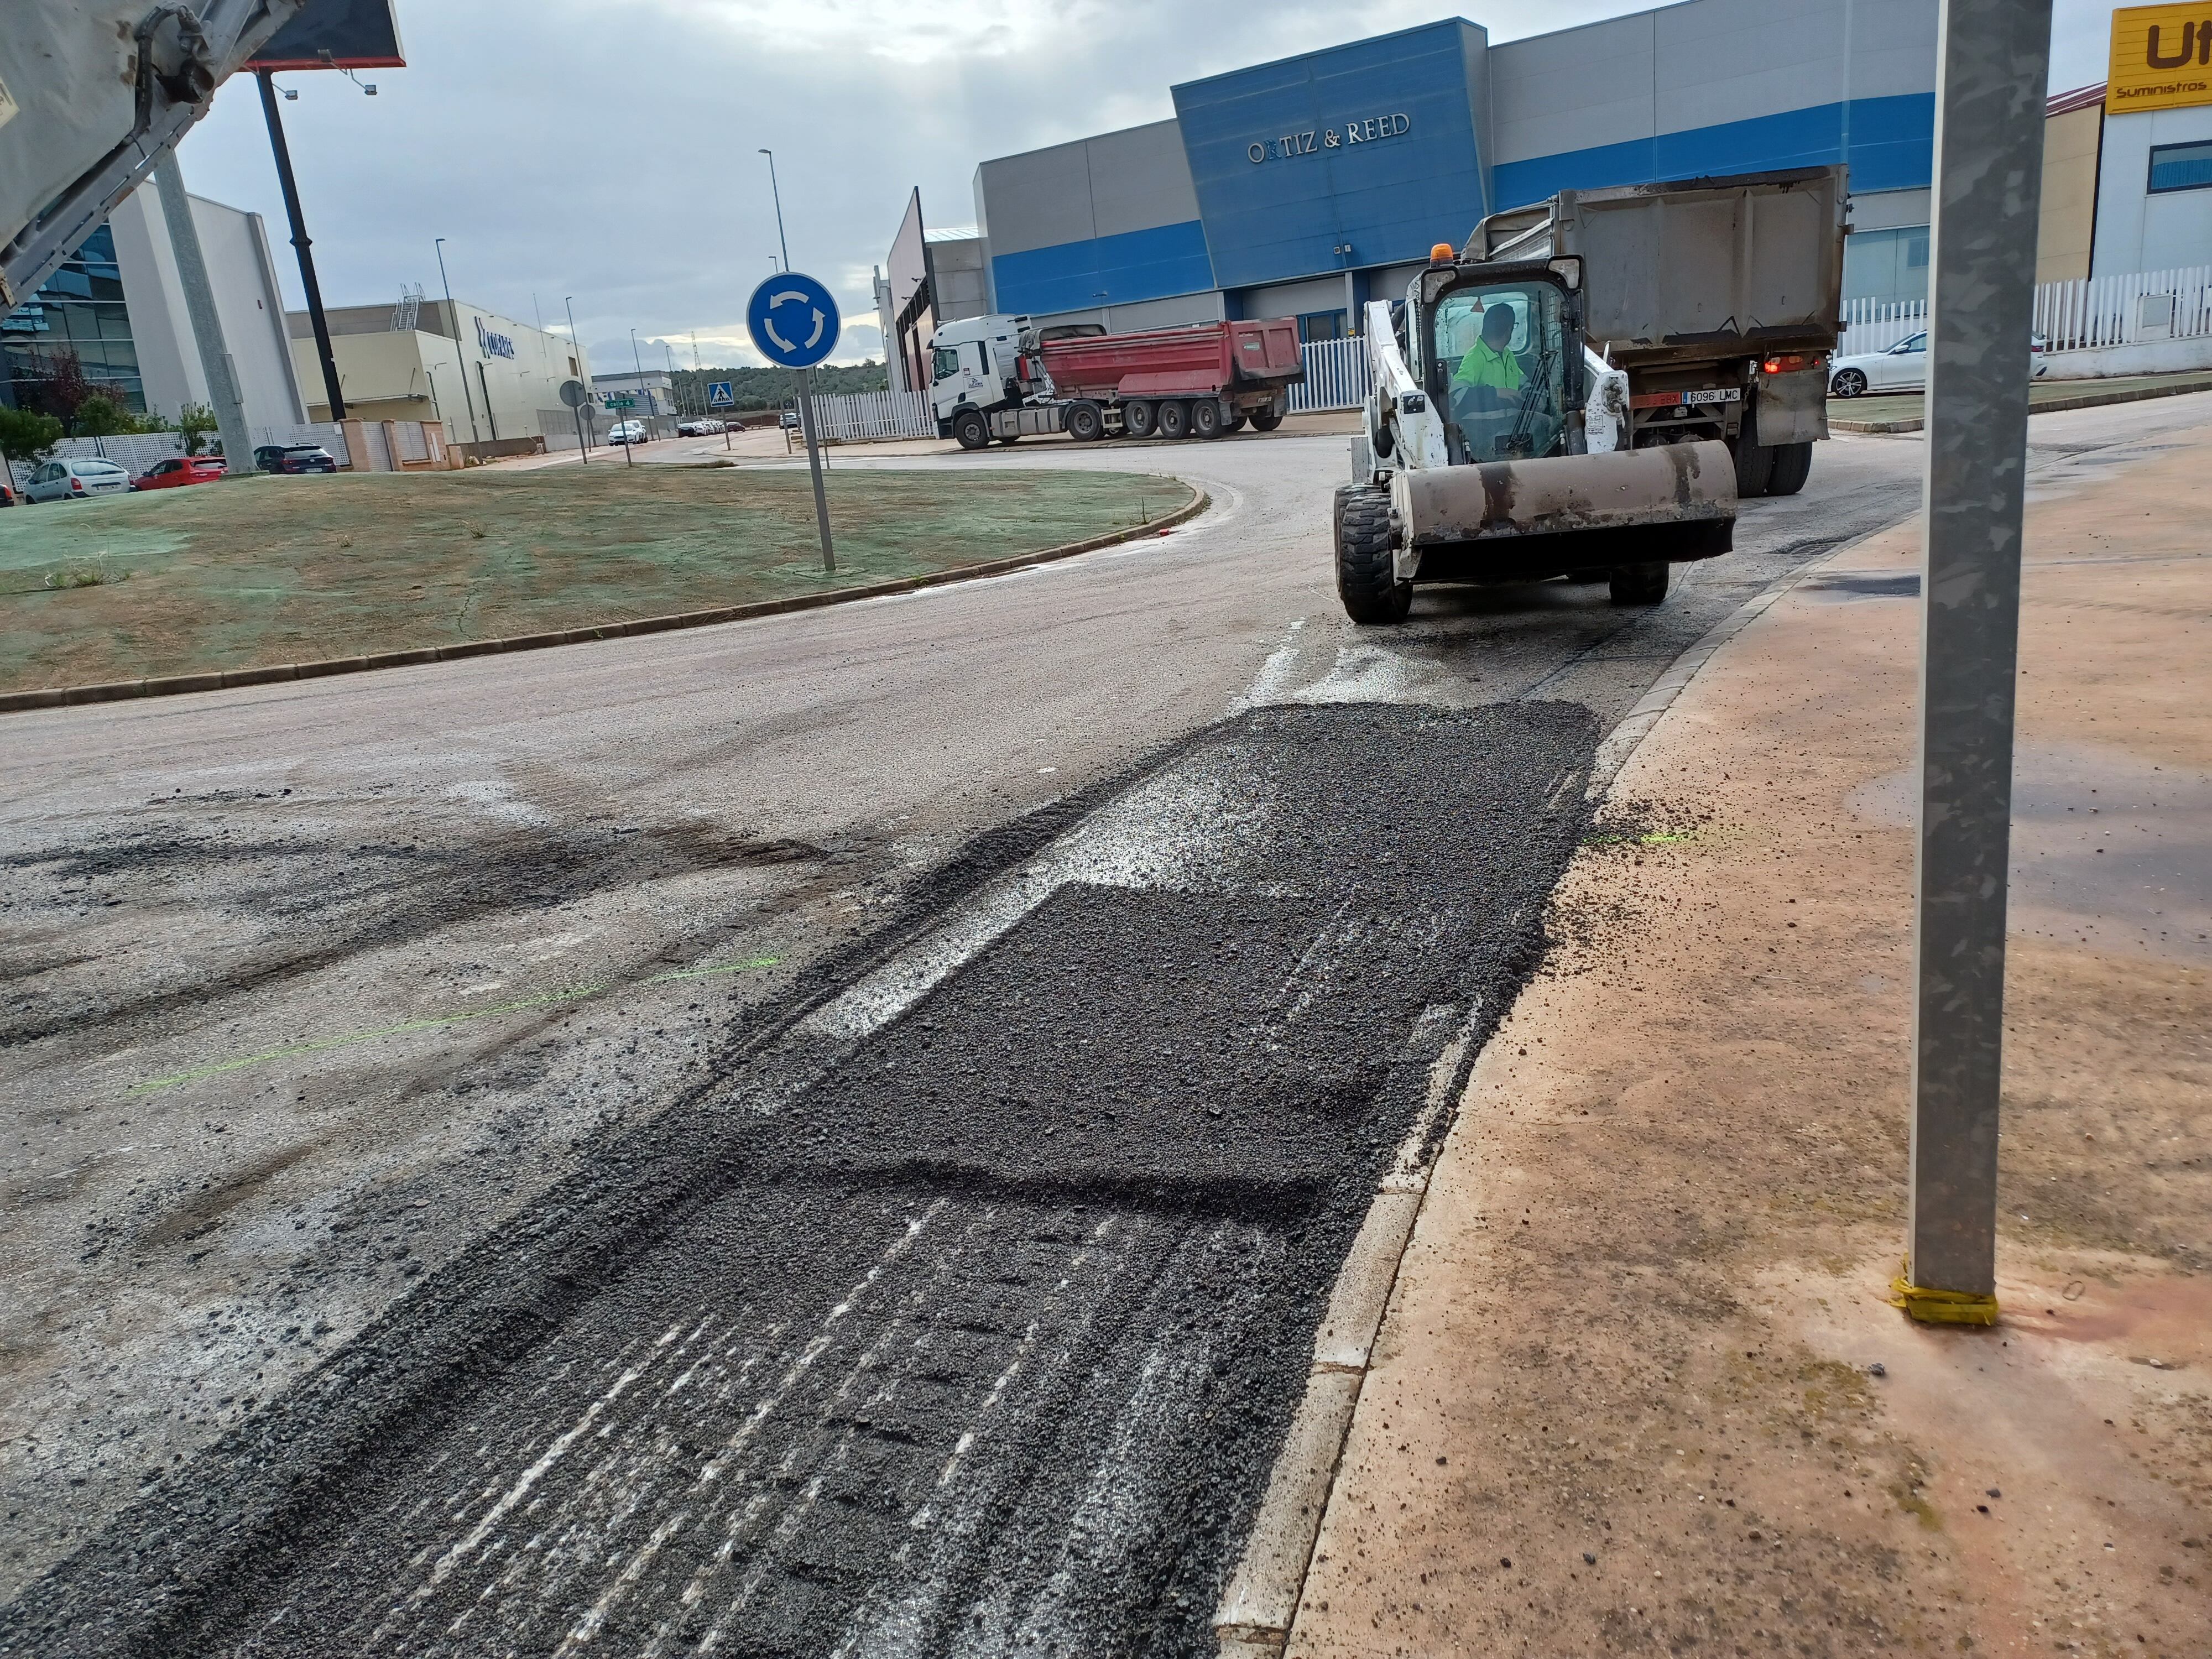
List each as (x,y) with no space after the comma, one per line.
(454,322)
(778,194)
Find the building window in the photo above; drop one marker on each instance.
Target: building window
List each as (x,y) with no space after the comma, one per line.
(1320,325)
(79,312)
(2180,167)
(1887,266)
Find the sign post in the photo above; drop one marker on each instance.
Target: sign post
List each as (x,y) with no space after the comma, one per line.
(720,395)
(575,395)
(1992,57)
(795,324)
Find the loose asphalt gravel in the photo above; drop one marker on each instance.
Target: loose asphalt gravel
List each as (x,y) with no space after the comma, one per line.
(826,1135)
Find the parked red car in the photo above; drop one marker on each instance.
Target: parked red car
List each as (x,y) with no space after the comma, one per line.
(183,470)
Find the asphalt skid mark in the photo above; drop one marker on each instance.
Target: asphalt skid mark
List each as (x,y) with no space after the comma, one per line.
(963,1315)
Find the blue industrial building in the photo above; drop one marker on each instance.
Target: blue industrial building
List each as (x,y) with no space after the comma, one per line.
(1304,187)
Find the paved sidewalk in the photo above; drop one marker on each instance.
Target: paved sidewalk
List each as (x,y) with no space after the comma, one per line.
(1638,1390)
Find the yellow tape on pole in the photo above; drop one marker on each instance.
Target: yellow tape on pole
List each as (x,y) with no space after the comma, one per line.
(1932,1307)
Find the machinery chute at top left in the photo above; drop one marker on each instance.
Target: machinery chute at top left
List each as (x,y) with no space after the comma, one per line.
(92,94)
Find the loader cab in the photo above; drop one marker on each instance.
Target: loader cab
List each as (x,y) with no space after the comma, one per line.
(1498,349)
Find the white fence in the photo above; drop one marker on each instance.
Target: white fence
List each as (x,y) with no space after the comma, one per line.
(2140,308)
(1336,376)
(857,417)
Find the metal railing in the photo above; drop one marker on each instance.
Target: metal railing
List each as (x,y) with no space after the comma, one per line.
(1336,376)
(863,416)
(2134,309)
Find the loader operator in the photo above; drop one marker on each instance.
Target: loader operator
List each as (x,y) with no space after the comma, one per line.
(1487,387)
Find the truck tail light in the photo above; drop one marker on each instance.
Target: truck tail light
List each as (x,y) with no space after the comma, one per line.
(1791,362)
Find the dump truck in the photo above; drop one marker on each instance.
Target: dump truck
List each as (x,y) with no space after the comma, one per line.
(1589,386)
(1003,378)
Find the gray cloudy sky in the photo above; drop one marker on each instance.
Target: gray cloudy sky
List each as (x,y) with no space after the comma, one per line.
(607,148)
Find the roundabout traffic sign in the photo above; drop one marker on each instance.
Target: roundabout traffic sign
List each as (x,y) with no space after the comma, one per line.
(793,320)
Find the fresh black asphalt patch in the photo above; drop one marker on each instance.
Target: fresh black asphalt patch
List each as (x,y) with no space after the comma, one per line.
(975,1334)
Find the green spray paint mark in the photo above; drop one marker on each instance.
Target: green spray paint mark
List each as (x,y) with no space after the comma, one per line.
(438,1022)
(1657,838)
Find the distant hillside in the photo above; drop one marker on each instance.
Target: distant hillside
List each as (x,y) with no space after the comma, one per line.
(775,388)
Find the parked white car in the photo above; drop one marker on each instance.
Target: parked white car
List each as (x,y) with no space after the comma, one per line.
(76,481)
(627,432)
(1904,368)
(698,426)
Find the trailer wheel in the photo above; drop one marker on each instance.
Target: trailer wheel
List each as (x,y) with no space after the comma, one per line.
(1235,421)
(1140,419)
(1792,465)
(1206,418)
(1754,469)
(1640,584)
(1267,419)
(1175,420)
(968,426)
(1365,579)
(1085,423)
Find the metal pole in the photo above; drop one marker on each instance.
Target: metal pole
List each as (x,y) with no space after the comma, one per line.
(207,325)
(814,465)
(332,394)
(582,437)
(454,322)
(778,194)
(1993,58)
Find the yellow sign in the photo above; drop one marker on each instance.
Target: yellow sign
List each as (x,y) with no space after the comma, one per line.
(2161,58)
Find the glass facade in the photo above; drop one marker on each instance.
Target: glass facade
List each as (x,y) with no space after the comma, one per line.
(80,309)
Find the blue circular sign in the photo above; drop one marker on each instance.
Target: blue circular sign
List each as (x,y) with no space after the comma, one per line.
(793,320)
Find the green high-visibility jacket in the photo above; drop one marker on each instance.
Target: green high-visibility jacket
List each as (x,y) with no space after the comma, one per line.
(1484,367)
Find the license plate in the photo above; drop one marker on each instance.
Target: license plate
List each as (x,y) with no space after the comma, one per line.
(1722,394)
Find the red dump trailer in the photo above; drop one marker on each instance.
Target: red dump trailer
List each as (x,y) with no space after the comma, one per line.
(996,378)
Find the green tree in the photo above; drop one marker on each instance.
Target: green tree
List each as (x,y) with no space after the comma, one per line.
(194,421)
(100,416)
(26,436)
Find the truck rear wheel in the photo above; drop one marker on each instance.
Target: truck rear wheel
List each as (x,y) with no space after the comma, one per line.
(1792,465)
(1235,421)
(968,427)
(1267,419)
(1754,467)
(1640,584)
(1140,418)
(1085,423)
(1175,420)
(1366,580)
(1206,418)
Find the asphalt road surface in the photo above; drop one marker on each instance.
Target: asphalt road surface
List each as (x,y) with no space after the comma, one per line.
(826,1135)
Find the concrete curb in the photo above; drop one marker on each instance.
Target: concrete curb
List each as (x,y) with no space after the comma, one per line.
(2057,405)
(168,686)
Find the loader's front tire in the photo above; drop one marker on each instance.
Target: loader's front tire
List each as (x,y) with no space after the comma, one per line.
(1640,584)
(1366,579)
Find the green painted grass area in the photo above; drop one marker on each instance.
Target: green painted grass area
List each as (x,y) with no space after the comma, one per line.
(256,571)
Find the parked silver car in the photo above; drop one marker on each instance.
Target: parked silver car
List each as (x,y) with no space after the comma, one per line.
(627,432)
(1904,368)
(76,481)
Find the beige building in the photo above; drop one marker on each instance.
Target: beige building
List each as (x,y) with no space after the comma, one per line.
(2072,138)
(489,378)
